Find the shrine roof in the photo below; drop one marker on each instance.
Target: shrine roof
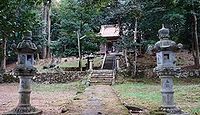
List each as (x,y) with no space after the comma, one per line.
(109,31)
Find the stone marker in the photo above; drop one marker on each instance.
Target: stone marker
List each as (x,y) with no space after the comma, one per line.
(25,71)
(117,60)
(91,57)
(166,69)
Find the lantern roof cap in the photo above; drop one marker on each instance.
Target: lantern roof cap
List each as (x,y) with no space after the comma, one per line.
(26,45)
(163,32)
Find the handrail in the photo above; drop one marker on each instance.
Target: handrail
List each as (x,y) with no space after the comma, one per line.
(104,59)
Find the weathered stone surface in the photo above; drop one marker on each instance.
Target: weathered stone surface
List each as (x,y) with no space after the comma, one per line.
(166,69)
(25,71)
(102,77)
(97,100)
(24,110)
(58,77)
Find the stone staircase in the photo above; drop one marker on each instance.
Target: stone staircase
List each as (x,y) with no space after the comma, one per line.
(102,77)
(109,62)
(105,76)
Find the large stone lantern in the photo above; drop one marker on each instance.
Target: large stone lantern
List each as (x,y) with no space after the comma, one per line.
(166,69)
(25,71)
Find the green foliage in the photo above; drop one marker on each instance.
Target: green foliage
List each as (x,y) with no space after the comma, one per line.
(175,14)
(69,17)
(17,16)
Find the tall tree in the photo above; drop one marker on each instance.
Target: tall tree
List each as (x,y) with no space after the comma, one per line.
(70,16)
(46,12)
(177,16)
(15,17)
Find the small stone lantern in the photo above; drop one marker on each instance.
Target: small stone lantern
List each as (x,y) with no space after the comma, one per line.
(166,69)
(117,60)
(25,71)
(90,58)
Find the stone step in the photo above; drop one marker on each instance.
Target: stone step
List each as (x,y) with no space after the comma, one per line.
(109,82)
(107,67)
(98,83)
(109,61)
(108,64)
(102,74)
(101,79)
(102,70)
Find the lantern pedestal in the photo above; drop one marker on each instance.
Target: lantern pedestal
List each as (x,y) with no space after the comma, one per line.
(24,107)
(167,92)
(166,75)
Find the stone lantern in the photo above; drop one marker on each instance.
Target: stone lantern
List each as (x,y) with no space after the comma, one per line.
(25,71)
(117,60)
(166,69)
(90,58)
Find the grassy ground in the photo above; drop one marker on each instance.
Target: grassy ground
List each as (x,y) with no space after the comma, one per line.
(74,63)
(76,86)
(146,94)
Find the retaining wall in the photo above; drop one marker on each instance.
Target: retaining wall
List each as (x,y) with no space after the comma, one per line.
(62,77)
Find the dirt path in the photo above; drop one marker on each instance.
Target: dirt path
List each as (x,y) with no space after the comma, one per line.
(97,100)
(50,103)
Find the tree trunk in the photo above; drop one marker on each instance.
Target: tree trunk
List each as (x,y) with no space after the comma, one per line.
(44,29)
(120,25)
(126,58)
(79,51)
(196,44)
(3,62)
(48,29)
(135,38)
(44,52)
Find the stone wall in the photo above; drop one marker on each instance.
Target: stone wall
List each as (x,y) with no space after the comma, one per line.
(59,77)
(190,73)
(184,73)
(9,78)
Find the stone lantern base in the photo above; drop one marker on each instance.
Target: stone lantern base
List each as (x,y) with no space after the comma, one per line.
(24,110)
(171,110)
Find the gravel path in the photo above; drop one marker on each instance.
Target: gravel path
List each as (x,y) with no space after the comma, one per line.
(96,100)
